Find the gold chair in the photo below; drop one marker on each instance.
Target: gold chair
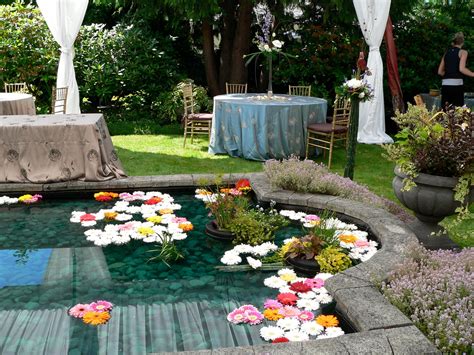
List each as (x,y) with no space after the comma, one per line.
(235,88)
(299,90)
(324,135)
(16,88)
(59,100)
(194,123)
(419,100)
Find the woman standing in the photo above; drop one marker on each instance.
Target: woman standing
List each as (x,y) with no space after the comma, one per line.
(452,68)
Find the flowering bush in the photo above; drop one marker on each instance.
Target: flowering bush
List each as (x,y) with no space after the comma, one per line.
(435,289)
(307,176)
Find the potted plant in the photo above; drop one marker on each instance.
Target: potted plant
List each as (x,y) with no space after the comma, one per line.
(434,156)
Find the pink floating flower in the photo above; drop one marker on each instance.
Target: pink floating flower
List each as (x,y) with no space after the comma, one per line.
(178,220)
(235,192)
(306,316)
(272,304)
(126,226)
(314,283)
(312,217)
(289,312)
(248,308)
(79,310)
(254,318)
(237,316)
(86,217)
(287,298)
(361,243)
(101,306)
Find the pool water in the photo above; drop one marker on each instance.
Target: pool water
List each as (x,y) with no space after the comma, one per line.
(47,266)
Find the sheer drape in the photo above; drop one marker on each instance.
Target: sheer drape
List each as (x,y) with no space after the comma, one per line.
(64,19)
(372,16)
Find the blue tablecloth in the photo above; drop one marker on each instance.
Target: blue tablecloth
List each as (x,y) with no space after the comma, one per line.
(435,101)
(249,126)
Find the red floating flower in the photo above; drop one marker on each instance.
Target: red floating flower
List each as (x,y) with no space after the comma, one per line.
(243,184)
(103,198)
(87,217)
(153,201)
(300,287)
(280,340)
(287,298)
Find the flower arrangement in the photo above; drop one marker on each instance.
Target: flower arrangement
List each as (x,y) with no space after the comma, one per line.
(95,313)
(355,88)
(292,310)
(26,199)
(159,224)
(435,290)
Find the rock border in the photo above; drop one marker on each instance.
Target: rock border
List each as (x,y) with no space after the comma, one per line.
(382,328)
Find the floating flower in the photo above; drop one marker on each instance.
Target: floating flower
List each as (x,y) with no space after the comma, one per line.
(271,333)
(235,192)
(165,211)
(272,304)
(96,318)
(155,219)
(272,314)
(254,317)
(294,335)
(307,295)
(79,310)
(331,332)
(347,238)
(274,282)
(312,328)
(153,201)
(314,283)
(145,231)
(105,196)
(327,320)
(361,243)
(288,323)
(110,215)
(254,263)
(248,307)
(324,298)
(287,275)
(280,340)
(289,312)
(101,306)
(186,226)
(237,316)
(300,287)
(243,185)
(287,298)
(30,198)
(308,304)
(231,258)
(305,316)
(87,217)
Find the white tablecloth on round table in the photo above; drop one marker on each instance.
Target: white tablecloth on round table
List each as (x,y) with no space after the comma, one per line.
(252,127)
(16,104)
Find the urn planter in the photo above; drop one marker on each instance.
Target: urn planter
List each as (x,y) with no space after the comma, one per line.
(213,231)
(304,266)
(431,199)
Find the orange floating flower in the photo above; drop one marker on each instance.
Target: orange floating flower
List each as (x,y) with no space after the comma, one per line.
(347,238)
(225,190)
(243,185)
(166,211)
(96,318)
(153,201)
(272,314)
(327,320)
(186,227)
(105,196)
(110,216)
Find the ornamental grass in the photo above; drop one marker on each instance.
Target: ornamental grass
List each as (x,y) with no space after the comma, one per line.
(307,176)
(435,290)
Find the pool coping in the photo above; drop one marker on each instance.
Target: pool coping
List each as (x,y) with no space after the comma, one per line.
(382,328)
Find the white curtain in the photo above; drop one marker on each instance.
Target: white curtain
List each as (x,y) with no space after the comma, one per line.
(64,19)
(372,16)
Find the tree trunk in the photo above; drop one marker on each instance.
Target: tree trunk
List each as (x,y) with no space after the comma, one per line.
(210,64)
(229,22)
(242,40)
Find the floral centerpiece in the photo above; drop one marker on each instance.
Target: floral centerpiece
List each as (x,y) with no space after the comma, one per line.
(356,90)
(438,144)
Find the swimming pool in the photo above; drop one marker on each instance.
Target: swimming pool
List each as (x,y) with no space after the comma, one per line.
(48,266)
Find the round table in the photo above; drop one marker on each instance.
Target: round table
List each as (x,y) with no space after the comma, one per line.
(434,102)
(256,127)
(17,104)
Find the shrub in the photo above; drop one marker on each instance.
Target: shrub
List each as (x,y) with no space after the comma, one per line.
(333,260)
(435,289)
(307,176)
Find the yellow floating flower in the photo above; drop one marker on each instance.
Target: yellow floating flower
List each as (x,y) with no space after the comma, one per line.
(110,215)
(165,211)
(225,190)
(146,231)
(347,238)
(203,192)
(272,314)
(288,277)
(155,219)
(327,321)
(25,198)
(186,226)
(96,318)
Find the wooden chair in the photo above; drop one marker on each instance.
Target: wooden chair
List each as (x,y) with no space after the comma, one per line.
(419,100)
(16,87)
(325,135)
(59,100)
(299,90)
(235,88)
(194,123)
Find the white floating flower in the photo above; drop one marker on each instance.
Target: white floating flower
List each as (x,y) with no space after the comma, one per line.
(324,298)
(254,263)
(271,333)
(286,289)
(312,328)
(307,304)
(296,336)
(323,275)
(231,258)
(243,248)
(274,282)
(331,332)
(288,323)
(307,295)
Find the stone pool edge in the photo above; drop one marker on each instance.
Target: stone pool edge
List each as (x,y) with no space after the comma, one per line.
(381,327)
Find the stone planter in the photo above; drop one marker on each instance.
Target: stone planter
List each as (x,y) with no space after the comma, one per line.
(213,231)
(431,199)
(304,266)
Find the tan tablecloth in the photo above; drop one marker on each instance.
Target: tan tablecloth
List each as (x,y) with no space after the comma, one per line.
(17,104)
(51,148)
